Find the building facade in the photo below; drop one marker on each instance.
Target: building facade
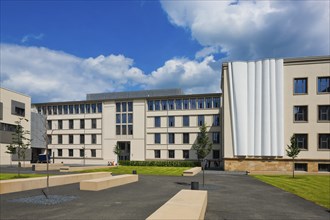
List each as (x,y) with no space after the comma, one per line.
(13,106)
(265,103)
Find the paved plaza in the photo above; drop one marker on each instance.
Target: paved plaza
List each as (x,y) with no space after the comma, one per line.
(229,197)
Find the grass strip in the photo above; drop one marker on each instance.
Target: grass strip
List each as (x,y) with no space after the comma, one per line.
(9,176)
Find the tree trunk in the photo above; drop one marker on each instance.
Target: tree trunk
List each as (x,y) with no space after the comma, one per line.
(292,167)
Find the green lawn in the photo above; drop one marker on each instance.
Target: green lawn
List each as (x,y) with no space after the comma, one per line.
(144,170)
(8,176)
(310,187)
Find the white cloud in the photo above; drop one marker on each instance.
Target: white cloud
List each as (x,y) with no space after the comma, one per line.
(255,29)
(30,37)
(47,75)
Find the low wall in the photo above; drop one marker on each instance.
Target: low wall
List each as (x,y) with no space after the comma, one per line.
(17,185)
(72,169)
(108,182)
(192,172)
(51,166)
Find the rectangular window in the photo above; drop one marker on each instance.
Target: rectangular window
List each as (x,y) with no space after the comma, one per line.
(302,141)
(324,112)
(157,153)
(82,138)
(300,86)
(150,105)
(185,154)
(117,129)
(324,141)
(70,124)
(157,105)
(130,106)
(171,121)
(118,117)
(123,107)
(186,138)
(324,167)
(60,110)
(185,121)
(164,104)
(65,109)
(93,108)
(216,120)
(300,113)
(82,152)
(93,152)
(70,109)
(201,103)
(59,152)
(130,129)
(59,139)
(171,154)
(60,124)
(216,137)
(55,110)
(216,154)
(171,138)
(93,123)
(171,104)
(49,137)
(70,138)
(49,125)
(82,123)
(76,109)
(200,120)
(124,129)
(118,105)
(300,167)
(186,104)
(49,110)
(208,102)
(44,110)
(82,108)
(88,108)
(192,103)
(99,107)
(130,118)
(93,138)
(70,152)
(178,104)
(124,118)
(157,138)
(216,102)
(323,84)
(157,122)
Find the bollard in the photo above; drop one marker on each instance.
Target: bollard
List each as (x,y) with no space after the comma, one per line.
(194,185)
(134,172)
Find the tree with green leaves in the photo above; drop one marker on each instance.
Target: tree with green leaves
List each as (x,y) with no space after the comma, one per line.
(293,151)
(117,151)
(203,145)
(20,143)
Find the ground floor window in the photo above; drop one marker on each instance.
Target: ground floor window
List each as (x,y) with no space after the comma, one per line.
(93,152)
(323,167)
(59,152)
(186,154)
(300,167)
(216,154)
(171,154)
(324,141)
(302,141)
(70,152)
(157,153)
(82,152)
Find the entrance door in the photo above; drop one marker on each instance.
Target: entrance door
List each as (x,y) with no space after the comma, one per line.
(125,147)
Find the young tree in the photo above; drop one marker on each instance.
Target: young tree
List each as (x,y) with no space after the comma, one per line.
(203,145)
(117,151)
(12,151)
(20,143)
(292,151)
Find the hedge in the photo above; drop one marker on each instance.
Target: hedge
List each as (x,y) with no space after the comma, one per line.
(160,163)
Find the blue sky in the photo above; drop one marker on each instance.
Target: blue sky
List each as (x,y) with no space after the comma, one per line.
(61,50)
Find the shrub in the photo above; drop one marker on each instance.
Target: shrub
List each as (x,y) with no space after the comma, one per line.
(174,163)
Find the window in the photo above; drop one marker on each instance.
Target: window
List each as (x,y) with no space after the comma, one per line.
(186,138)
(123,107)
(60,110)
(99,107)
(70,152)
(300,113)
(59,139)
(118,118)
(324,141)
(216,102)
(65,109)
(216,137)
(117,129)
(70,138)
(208,102)
(130,129)
(164,104)
(59,152)
(130,118)
(93,123)
(201,103)
(171,104)
(82,108)
(178,104)
(82,123)
(118,107)
(186,104)
(185,154)
(171,154)
(192,103)
(150,105)
(60,124)
(124,118)
(323,167)
(49,138)
(82,138)
(300,167)
(93,138)
(157,121)
(157,153)
(18,108)
(49,125)
(302,141)
(216,120)
(88,108)
(82,152)
(324,112)
(49,110)
(93,152)
(157,138)
(93,108)
(185,121)
(171,121)
(70,124)
(123,129)
(216,154)
(200,120)
(171,138)
(55,110)
(76,109)
(300,86)
(157,105)
(323,84)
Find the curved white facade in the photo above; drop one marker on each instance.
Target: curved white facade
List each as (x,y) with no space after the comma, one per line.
(256,102)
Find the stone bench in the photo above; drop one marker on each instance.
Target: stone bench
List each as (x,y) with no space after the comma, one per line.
(186,204)
(17,185)
(43,166)
(108,182)
(192,172)
(73,169)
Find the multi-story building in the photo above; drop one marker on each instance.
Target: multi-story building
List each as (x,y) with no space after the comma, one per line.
(265,103)
(147,125)
(13,106)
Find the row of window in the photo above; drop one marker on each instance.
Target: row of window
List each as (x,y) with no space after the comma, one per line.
(179,104)
(185,154)
(300,85)
(323,141)
(71,124)
(70,109)
(124,106)
(71,139)
(124,129)
(7,127)
(185,138)
(300,113)
(322,167)
(81,152)
(186,121)
(124,118)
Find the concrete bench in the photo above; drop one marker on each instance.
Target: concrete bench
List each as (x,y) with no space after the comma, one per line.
(51,166)
(192,172)
(73,169)
(17,185)
(108,182)
(186,204)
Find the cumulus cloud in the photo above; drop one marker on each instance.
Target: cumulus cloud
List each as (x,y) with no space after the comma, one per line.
(255,29)
(47,75)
